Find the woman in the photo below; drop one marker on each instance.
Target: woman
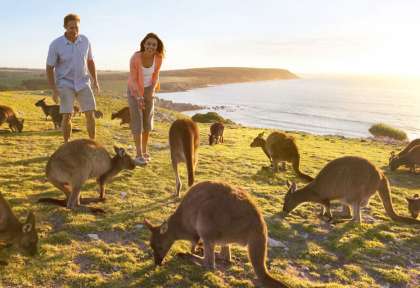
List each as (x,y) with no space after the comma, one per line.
(142,83)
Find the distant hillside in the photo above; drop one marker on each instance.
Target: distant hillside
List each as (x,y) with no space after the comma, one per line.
(171,80)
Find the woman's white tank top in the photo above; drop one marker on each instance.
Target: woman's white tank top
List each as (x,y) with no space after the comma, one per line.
(147,74)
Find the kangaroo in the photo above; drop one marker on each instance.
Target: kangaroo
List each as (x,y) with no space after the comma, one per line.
(184,139)
(414,205)
(413,143)
(47,109)
(218,214)
(281,147)
(123,114)
(75,162)
(409,158)
(216,133)
(8,115)
(24,235)
(351,180)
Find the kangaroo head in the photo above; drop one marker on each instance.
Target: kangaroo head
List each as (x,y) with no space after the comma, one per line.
(19,124)
(40,102)
(29,236)
(258,141)
(113,115)
(393,163)
(391,157)
(123,159)
(289,203)
(212,139)
(160,241)
(414,206)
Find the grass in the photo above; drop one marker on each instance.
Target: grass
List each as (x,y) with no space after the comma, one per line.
(376,253)
(384,130)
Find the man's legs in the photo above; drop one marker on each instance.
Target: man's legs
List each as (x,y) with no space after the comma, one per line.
(88,106)
(66,126)
(90,124)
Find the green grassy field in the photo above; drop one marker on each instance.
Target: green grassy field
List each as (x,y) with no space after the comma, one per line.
(377,253)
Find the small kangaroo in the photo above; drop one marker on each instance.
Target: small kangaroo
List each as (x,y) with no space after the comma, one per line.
(75,162)
(281,147)
(218,214)
(414,205)
(24,235)
(8,115)
(123,114)
(184,139)
(216,133)
(351,180)
(48,109)
(411,158)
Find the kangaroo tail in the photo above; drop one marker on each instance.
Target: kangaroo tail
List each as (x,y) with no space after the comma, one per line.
(257,250)
(59,202)
(296,164)
(385,194)
(188,146)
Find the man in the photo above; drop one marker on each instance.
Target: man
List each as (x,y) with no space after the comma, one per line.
(69,58)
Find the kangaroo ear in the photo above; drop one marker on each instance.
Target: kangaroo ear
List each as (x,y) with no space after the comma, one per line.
(23,120)
(43,99)
(416,195)
(261,134)
(163,227)
(29,224)
(408,199)
(293,187)
(288,184)
(148,224)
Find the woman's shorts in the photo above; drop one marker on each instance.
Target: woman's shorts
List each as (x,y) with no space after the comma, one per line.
(142,120)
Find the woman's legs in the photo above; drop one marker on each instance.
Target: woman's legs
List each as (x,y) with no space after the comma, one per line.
(144,139)
(137,137)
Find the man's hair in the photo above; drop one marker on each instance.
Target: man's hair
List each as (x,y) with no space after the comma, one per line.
(71,17)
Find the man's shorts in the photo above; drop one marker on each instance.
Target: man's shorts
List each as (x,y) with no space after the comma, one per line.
(84,97)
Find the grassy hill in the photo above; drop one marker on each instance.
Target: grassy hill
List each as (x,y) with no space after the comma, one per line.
(378,253)
(171,80)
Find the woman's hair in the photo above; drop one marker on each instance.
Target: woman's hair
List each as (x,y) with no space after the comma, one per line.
(160,47)
(71,17)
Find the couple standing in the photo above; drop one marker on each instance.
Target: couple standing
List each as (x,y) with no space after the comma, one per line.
(68,62)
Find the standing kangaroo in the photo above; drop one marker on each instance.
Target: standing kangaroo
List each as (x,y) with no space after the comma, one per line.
(218,214)
(48,110)
(75,162)
(184,141)
(24,235)
(281,147)
(352,181)
(216,133)
(410,158)
(8,115)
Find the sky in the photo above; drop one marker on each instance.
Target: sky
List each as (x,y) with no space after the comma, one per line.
(378,37)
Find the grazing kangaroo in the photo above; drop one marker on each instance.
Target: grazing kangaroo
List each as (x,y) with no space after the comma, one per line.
(184,139)
(218,214)
(352,181)
(8,115)
(216,133)
(281,147)
(411,158)
(75,162)
(414,205)
(24,235)
(123,114)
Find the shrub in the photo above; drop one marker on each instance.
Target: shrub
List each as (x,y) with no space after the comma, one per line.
(381,129)
(210,117)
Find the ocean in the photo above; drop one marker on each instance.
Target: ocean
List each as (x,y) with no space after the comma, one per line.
(346,106)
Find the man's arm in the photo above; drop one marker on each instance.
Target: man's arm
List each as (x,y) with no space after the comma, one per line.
(51,82)
(92,71)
